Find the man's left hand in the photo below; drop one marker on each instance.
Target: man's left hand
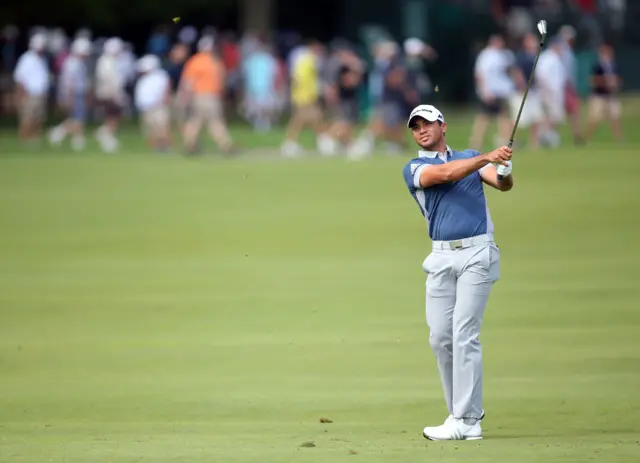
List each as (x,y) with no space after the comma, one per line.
(503,170)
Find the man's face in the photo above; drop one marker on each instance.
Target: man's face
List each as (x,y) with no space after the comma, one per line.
(606,53)
(318,50)
(530,43)
(496,41)
(427,135)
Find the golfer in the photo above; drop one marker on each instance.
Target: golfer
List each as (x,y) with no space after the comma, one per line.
(464,263)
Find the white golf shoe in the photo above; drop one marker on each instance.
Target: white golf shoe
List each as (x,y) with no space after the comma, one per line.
(454,429)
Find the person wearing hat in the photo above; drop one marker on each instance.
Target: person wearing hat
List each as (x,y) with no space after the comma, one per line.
(152,97)
(202,86)
(32,80)
(494,87)
(447,185)
(567,38)
(110,93)
(73,86)
(551,78)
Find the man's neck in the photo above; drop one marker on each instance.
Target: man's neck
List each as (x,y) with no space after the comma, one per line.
(440,148)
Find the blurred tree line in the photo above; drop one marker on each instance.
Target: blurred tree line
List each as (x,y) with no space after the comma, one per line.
(113,16)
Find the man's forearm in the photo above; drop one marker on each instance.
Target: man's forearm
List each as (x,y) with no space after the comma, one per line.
(506,183)
(451,171)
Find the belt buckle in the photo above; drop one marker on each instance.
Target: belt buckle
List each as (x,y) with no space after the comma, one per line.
(457,244)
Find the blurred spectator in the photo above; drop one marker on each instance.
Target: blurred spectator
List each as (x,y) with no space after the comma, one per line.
(588,21)
(259,72)
(58,49)
(188,36)
(152,98)
(416,53)
(127,68)
(385,53)
(494,87)
(72,96)
(305,99)
(347,84)
(10,35)
(202,88)
(84,33)
(532,114)
(177,58)
(159,42)
(552,79)
(230,54)
(567,36)
(604,102)
(31,77)
(110,93)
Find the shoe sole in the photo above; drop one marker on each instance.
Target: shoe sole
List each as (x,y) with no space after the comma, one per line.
(464,438)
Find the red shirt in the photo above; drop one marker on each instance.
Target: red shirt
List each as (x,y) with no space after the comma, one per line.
(230,56)
(587,6)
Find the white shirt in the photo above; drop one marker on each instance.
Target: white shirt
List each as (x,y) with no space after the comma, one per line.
(109,84)
(151,90)
(492,69)
(32,73)
(126,62)
(569,63)
(551,74)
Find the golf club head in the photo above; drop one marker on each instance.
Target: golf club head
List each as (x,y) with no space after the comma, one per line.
(542,27)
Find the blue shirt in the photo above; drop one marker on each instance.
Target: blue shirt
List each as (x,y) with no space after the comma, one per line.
(453,210)
(525,62)
(259,71)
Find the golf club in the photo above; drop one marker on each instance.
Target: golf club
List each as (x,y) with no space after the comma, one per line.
(542,28)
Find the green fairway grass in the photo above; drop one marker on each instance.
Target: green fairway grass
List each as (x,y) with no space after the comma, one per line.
(161,309)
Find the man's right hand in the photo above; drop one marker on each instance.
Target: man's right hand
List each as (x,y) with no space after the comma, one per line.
(500,155)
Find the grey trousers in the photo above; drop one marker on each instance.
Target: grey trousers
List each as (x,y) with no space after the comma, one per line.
(458,286)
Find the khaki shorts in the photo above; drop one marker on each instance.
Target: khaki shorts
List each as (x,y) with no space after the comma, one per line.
(553,106)
(178,110)
(32,108)
(604,107)
(156,120)
(532,112)
(307,114)
(206,109)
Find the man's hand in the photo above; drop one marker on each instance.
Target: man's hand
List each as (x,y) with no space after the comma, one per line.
(499,156)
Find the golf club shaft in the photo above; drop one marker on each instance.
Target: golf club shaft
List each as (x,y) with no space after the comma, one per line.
(524,98)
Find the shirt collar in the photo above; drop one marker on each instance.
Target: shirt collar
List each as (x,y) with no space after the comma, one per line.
(433,154)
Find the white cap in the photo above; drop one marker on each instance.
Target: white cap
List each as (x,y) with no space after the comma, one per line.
(568,31)
(81,46)
(148,63)
(206,43)
(427,112)
(113,46)
(38,42)
(414,46)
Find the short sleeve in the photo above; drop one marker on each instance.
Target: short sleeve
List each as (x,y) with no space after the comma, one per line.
(411,173)
(473,154)
(21,69)
(479,66)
